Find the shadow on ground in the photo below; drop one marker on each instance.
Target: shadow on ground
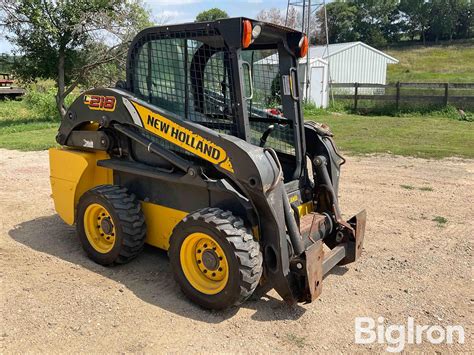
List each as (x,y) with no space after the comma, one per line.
(149,276)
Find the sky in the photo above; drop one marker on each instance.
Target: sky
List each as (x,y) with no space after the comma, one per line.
(178,11)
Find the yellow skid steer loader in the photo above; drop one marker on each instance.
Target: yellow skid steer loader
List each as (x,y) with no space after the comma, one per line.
(203,151)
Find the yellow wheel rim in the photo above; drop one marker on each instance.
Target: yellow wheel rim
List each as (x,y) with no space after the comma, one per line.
(204,263)
(100,228)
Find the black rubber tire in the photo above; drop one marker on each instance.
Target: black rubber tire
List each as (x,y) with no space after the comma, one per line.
(241,250)
(128,218)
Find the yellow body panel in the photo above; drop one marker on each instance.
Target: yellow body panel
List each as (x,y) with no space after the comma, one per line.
(183,137)
(160,222)
(73,172)
(305,208)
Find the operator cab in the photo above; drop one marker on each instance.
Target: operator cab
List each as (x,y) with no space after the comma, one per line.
(235,76)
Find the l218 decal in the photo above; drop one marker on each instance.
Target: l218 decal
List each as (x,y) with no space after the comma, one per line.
(100,103)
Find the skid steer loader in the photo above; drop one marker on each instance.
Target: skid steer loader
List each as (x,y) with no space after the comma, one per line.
(203,152)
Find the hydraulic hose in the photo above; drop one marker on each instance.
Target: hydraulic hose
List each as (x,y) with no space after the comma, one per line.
(293,230)
(320,163)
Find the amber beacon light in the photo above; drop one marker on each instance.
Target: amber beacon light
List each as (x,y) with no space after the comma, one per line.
(246,33)
(303,46)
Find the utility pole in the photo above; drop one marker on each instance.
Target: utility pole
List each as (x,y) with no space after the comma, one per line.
(307,8)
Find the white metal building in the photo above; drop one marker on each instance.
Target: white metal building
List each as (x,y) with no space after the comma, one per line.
(352,62)
(319,81)
(318,91)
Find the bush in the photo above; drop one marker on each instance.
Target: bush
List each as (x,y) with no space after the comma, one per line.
(339,106)
(43,104)
(41,99)
(311,109)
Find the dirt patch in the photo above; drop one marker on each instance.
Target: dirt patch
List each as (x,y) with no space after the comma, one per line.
(417,263)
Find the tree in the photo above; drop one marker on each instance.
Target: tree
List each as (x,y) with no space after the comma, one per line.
(377,21)
(341,23)
(278,17)
(446,16)
(68,40)
(416,17)
(291,20)
(211,15)
(465,23)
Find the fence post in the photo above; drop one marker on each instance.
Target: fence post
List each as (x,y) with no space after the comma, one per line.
(356,95)
(398,96)
(446,85)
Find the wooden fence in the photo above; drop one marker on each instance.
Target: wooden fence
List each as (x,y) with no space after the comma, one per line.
(406,94)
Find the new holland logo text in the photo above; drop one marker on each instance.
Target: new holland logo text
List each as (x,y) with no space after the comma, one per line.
(100,103)
(183,137)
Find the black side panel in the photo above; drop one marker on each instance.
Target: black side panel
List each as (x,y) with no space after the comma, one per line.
(81,112)
(165,193)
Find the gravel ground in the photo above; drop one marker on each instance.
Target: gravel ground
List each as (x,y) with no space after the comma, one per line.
(417,262)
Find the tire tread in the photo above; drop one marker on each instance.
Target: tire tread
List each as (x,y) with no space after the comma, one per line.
(131,218)
(244,246)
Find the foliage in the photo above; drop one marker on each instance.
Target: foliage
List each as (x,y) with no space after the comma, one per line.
(211,15)
(310,109)
(41,98)
(446,15)
(378,22)
(6,63)
(341,20)
(279,17)
(440,220)
(13,111)
(68,40)
(417,17)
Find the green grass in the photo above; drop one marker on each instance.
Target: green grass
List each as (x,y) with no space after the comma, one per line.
(22,128)
(293,339)
(419,136)
(437,63)
(440,220)
(407,187)
(426,188)
(14,111)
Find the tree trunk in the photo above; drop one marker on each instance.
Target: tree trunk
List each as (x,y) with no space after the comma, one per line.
(61,85)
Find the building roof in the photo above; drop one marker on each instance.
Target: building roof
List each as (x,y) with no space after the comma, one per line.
(322,53)
(332,49)
(273,60)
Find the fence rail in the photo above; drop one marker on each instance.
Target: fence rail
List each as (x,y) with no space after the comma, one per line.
(406,94)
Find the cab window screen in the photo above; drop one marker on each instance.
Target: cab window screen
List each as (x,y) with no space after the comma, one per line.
(188,78)
(265,107)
